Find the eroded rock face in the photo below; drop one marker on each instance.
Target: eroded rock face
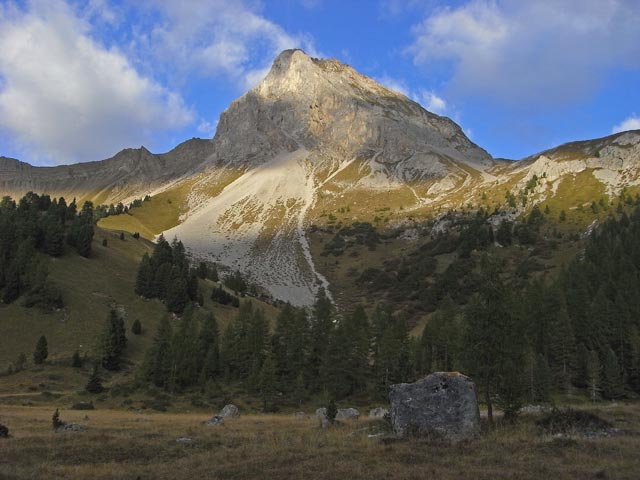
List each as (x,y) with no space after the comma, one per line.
(230,411)
(443,404)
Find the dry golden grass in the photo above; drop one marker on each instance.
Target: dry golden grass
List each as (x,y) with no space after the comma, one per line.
(118,445)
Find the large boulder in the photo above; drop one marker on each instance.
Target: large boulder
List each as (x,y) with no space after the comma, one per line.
(230,411)
(443,404)
(321,413)
(347,414)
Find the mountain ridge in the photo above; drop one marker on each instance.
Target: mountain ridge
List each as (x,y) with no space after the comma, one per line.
(315,138)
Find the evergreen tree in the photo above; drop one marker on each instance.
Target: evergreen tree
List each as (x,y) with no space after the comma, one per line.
(94,385)
(145,278)
(320,331)
(594,372)
(41,352)
(209,348)
(158,361)
(267,384)
(76,360)
(542,379)
(112,341)
(289,346)
(136,327)
(581,378)
(493,340)
(177,295)
(186,364)
(612,382)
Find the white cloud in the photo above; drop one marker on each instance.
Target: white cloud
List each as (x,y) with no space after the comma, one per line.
(631,123)
(217,37)
(208,129)
(427,98)
(530,51)
(394,84)
(65,97)
(433,102)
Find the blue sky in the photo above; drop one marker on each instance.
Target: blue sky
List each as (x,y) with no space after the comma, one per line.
(82,79)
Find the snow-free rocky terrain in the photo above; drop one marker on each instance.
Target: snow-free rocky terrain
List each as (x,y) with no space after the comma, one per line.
(312,137)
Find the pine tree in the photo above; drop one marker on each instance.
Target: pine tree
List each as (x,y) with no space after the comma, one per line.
(76,360)
(112,341)
(136,327)
(145,278)
(612,382)
(581,378)
(158,361)
(41,352)
(542,379)
(320,330)
(177,295)
(55,420)
(94,385)
(185,352)
(594,372)
(494,340)
(209,348)
(267,384)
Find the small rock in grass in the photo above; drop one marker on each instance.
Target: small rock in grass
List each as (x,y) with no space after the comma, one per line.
(215,421)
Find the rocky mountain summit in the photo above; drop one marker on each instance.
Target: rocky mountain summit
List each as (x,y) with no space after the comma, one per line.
(313,138)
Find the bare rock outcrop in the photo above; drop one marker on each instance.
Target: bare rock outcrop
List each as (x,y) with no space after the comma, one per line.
(442,405)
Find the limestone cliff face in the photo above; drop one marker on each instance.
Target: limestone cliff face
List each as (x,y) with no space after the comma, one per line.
(337,114)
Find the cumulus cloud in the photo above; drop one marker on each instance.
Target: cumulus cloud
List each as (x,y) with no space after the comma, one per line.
(218,37)
(65,97)
(631,123)
(535,52)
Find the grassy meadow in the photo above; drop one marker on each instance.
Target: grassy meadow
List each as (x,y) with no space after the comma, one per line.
(134,444)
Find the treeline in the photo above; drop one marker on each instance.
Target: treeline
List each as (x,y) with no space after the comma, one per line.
(36,227)
(306,353)
(414,281)
(166,275)
(102,211)
(523,342)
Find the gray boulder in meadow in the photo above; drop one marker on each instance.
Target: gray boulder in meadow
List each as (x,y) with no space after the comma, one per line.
(300,415)
(321,413)
(378,412)
(230,411)
(347,414)
(443,404)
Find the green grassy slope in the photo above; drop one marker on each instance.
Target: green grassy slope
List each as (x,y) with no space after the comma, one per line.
(91,287)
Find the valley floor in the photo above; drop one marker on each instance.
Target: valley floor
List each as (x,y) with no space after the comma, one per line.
(133,445)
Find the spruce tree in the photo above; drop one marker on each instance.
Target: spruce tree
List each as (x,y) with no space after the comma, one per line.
(612,382)
(267,384)
(136,327)
(320,330)
(41,352)
(94,385)
(76,360)
(209,348)
(145,278)
(594,372)
(112,341)
(158,361)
